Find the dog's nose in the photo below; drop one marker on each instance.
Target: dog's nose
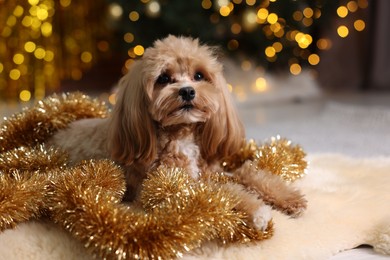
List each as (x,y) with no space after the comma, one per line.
(187,93)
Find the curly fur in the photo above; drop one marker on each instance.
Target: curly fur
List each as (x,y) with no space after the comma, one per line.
(174,109)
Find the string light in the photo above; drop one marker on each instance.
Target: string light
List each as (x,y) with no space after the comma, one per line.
(342,11)
(39,47)
(295,69)
(342,31)
(31,52)
(359,25)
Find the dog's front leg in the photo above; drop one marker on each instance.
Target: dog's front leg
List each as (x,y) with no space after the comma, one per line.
(272,189)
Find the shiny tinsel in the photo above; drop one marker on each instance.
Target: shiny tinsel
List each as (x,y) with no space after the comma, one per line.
(24,182)
(33,126)
(278,156)
(180,213)
(38,158)
(281,157)
(22,197)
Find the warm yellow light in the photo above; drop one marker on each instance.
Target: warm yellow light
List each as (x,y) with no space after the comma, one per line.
(277,46)
(25,95)
(308,12)
(14,74)
(46,29)
(115,10)
(27,21)
(134,16)
(236,28)
(342,31)
(250,20)
(314,59)
(86,57)
(261,85)
(224,10)
(18,11)
(39,53)
(317,13)
(36,23)
(112,99)
(279,33)
(303,40)
(128,37)
(29,46)
(153,8)
(275,27)
(262,13)
(206,4)
(18,58)
(139,50)
(33,2)
(1,67)
(359,25)
(49,56)
(352,6)
(11,21)
(270,51)
(295,69)
(342,11)
(42,14)
(230,87)
(272,18)
(250,2)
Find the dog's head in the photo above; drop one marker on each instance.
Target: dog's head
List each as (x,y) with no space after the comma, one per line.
(177,81)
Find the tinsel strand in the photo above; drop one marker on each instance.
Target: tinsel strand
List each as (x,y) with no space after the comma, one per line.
(22,197)
(281,157)
(168,230)
(33,126)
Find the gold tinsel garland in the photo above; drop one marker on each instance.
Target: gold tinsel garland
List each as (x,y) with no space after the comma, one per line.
(33,126)
(278,156)
(177,215)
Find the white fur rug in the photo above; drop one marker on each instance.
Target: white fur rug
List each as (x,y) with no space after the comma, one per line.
(349,205)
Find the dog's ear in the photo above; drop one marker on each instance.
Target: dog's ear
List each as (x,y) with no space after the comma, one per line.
(132,134)
(224,133)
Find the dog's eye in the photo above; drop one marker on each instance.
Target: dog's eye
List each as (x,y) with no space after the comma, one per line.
(163,79)
(198,76)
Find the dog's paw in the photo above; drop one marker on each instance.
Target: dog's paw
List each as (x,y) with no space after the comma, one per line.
(261,217)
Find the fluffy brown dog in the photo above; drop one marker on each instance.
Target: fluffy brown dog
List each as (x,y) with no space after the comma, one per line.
(174,109)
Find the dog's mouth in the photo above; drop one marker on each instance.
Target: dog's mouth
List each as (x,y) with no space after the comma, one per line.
(187,107)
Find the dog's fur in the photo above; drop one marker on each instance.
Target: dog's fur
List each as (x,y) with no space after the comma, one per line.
(174,109)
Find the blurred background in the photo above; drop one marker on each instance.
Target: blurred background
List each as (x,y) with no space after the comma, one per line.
(50,46)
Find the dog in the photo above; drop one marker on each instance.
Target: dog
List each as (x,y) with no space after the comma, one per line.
(174,108)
